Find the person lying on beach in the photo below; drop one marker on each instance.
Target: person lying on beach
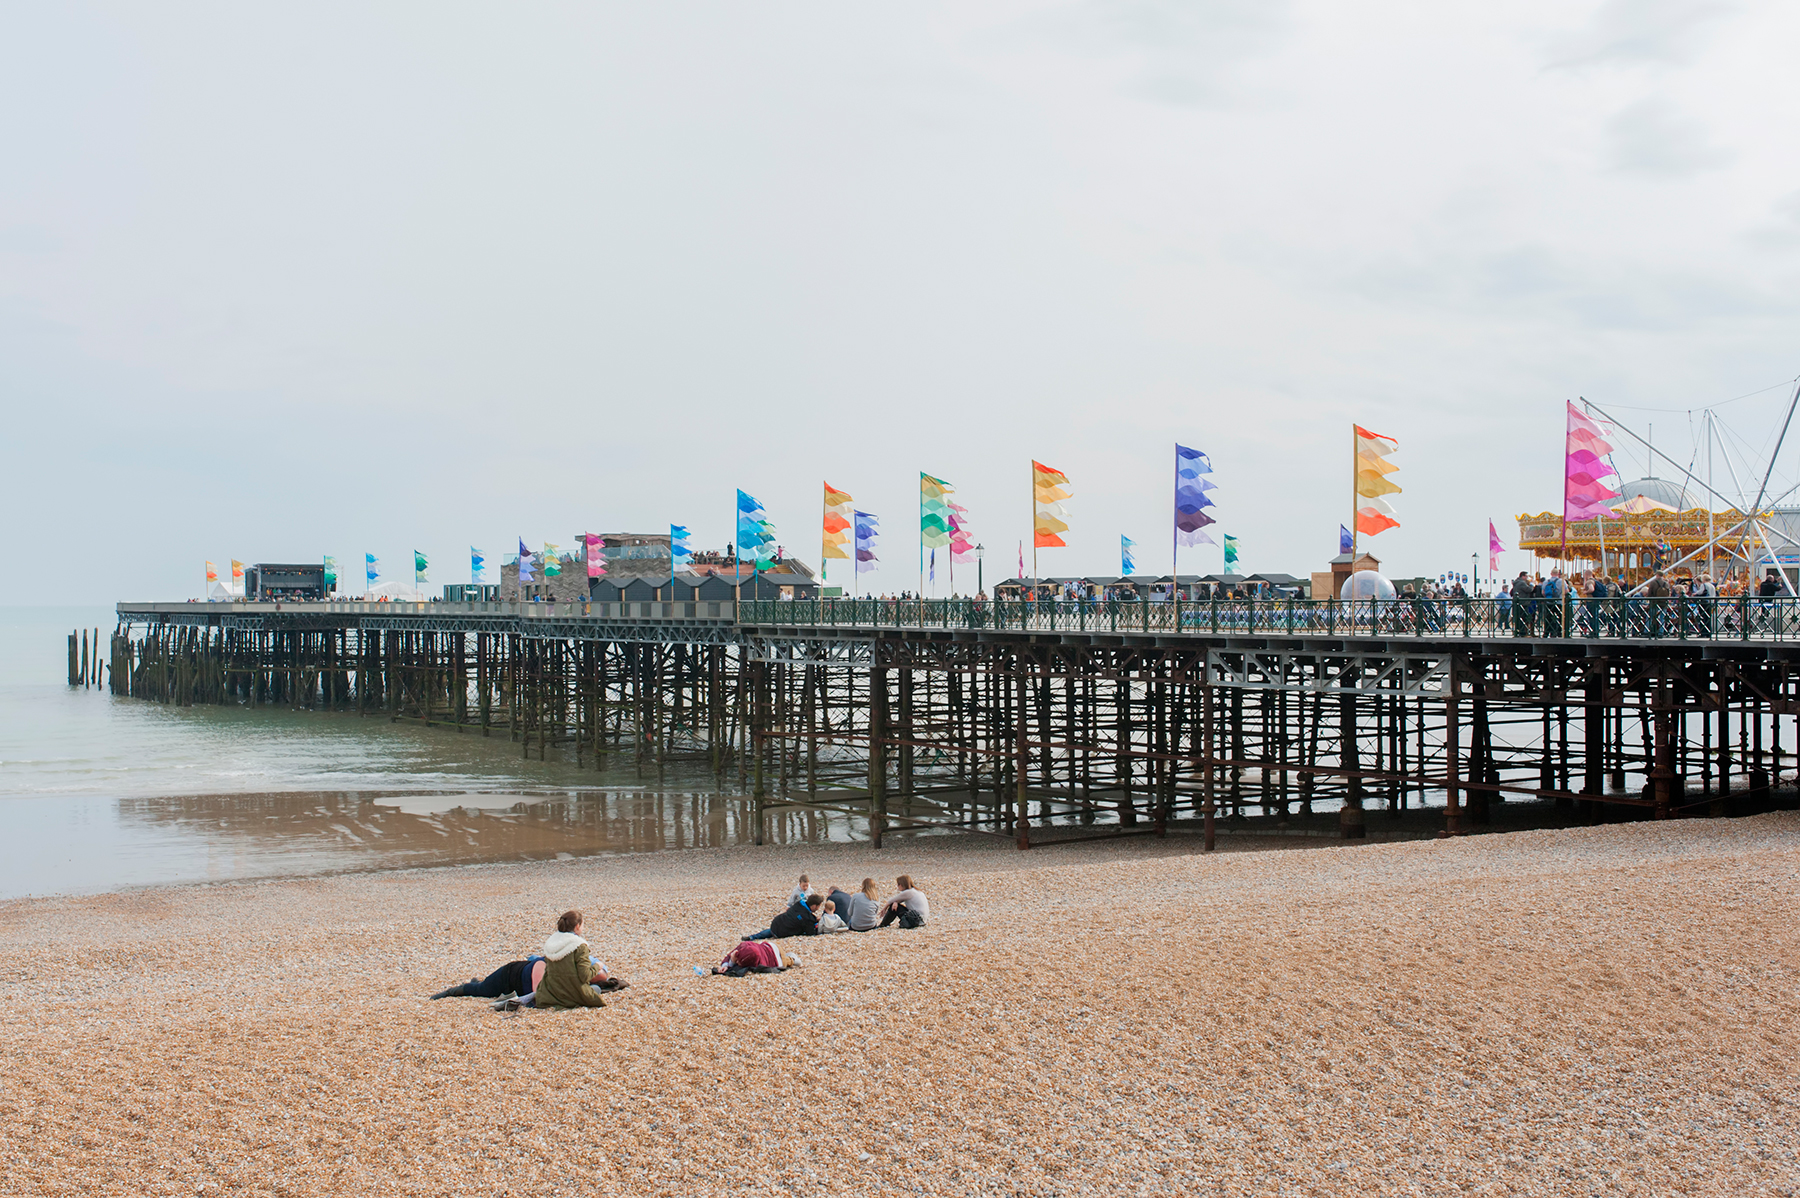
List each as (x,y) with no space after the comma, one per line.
(572,978)
(754,956)
(860,910)
(514,977)
(800,919)
(909,906)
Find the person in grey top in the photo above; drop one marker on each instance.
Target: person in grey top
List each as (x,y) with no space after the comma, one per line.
(861,910)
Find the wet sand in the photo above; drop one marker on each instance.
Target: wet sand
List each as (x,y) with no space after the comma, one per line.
(1597,1010)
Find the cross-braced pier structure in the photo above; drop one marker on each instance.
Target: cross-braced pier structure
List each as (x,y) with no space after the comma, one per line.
(1048,721)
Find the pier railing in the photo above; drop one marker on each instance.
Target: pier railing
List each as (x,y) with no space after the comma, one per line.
(1746,618)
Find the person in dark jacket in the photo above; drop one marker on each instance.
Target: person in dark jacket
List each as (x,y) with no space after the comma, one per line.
(800,919)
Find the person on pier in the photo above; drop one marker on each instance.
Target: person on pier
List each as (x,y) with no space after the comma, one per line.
(909,906)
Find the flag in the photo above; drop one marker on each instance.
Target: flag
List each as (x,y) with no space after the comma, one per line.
(476,561)
(371,567)
(1373,514)
(868,531)
(593,549)
(934,512)
(1127,563)
(420,566)
(525,574)
(1585,496)
(552,563)
(1048,489)
(1231,553)
(754,532)
(330,572)
(932,576)
(1495,548)
(679,553)
(212,572)
(1021,559)
(237,574)
(839,508)
(1191,489)
(1346,540)
(962,546)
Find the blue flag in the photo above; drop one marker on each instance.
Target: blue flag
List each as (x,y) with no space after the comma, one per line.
(1127,563)
(373,566)
(525,574)
(476,561)
(1346,542)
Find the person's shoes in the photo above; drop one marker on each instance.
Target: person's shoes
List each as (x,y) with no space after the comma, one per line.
(458,991)
(509,1003)
(611,984)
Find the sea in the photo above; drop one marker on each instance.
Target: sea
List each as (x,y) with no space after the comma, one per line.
(100,793)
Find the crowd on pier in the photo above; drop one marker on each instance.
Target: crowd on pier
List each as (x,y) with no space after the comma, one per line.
(565,974)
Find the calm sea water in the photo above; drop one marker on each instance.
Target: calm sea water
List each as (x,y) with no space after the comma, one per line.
(98,793)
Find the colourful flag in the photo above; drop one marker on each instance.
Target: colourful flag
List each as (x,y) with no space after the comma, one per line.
(934,512)
(1495,548)
(420,566)
(1346,541)
(839,510)
(962,545)
(477,560)
(868,531)
(1373,514)
(754,533)
(593,548)
(237,574)
(1585,495)
(1191,487)
(371,567)
(1127,563)
(1021,559)
(679,553)
(212,573)
(525,574)
(552,563)
(330,572)
(1231,552)
(1048,490)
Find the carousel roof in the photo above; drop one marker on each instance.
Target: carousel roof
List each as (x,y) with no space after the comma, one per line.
(1657,490)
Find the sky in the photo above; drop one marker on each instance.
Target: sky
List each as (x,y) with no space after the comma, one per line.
(284,280)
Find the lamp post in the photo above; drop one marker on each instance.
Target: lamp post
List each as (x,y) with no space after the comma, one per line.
(980,553)
(1474,570)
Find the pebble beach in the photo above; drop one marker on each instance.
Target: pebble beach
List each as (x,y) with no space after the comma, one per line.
(1605,1010)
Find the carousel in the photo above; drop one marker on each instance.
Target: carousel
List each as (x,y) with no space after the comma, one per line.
(1656,526)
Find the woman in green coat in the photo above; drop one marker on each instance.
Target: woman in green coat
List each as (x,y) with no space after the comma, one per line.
(572,978)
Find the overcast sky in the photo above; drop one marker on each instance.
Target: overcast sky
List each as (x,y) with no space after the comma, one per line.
(285,280)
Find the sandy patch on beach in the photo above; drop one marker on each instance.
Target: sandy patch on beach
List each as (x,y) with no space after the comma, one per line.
(1605,1010)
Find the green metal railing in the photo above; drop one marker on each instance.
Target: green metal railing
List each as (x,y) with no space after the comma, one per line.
(1746,618)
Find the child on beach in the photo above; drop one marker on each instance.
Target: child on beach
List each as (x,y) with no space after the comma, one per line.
(802,891)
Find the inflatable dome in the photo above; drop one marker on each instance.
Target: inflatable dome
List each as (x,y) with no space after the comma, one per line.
(1365,585)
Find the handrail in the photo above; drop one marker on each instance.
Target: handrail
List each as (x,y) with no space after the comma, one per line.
(1742,618)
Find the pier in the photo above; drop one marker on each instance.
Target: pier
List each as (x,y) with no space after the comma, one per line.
(1048,721)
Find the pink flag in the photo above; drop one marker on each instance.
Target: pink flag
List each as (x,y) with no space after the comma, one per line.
(596,555)
(1495,548)
(1585,493)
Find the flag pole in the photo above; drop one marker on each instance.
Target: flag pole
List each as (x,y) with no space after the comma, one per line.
(1175,531)
(1353,529)
(1034,564)
(921,534)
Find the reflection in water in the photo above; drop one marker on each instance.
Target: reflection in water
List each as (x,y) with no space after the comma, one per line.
(305,832)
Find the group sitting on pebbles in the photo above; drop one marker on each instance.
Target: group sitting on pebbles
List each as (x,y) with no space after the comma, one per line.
(565,975)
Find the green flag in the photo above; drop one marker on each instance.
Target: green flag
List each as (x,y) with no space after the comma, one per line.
(420,566)
(1231,557)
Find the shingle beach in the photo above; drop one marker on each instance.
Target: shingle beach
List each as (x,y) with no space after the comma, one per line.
(1607,1010)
